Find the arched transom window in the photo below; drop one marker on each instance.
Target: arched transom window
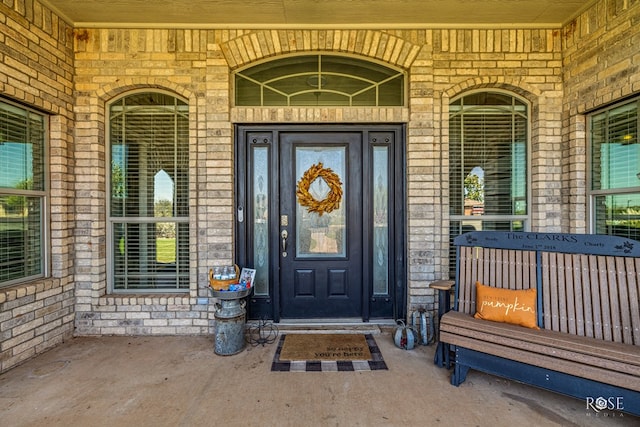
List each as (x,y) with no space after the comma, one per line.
(319,80)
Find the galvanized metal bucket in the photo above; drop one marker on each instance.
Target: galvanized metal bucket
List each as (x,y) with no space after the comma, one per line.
(230,316)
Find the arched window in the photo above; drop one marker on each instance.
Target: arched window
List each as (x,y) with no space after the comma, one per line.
(149,193)
(319,80)
(488,140)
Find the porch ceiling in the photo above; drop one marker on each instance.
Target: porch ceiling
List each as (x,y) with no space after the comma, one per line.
(318,13)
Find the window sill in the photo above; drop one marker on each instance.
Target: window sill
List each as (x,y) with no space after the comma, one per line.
(146,299)
(22,290)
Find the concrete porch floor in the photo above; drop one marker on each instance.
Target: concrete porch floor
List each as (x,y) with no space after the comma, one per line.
(180,381)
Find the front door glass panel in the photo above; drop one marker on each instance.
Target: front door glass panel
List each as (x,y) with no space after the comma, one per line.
(260,186)
(321,232)
(380,220)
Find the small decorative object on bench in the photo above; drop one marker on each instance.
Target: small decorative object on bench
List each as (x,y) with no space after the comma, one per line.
(576,301)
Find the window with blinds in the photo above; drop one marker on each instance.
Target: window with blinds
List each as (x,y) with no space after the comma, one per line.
(488,144)
(149,193)
(22,193)
(615,169)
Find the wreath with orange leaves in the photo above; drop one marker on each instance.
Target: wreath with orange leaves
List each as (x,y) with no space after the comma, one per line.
(329,203)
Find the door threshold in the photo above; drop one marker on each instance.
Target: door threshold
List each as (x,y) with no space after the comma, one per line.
(336,321)
(341,325)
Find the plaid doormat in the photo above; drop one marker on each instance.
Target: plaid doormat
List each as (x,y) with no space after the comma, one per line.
(376,362)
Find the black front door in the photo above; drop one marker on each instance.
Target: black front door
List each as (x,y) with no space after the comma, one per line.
(321,229)
(320,216)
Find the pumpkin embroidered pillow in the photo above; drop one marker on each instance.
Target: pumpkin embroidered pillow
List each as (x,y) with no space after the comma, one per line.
(517,307)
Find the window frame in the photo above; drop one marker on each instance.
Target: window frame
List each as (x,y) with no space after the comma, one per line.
(593,194)
(43,195)
(319,76)
(140,220)
(458,222)
(526,219)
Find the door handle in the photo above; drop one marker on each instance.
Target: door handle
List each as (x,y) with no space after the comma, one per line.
(284,234)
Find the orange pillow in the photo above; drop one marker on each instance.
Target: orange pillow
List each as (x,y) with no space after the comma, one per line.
(507,306)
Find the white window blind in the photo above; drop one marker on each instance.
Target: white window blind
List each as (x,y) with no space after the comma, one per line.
(22,193)
(615,169)
(149,206)
(488,156)
(488,138)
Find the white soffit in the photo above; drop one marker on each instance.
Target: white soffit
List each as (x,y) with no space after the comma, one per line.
(277,14)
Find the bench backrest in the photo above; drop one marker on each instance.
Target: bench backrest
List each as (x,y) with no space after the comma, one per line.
(588,285)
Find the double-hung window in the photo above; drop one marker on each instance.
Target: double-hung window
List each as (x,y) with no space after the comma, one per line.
(23,193)
(149,193)
(615,169)
(488,145)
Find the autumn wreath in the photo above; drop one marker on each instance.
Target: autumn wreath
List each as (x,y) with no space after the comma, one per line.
(329,203)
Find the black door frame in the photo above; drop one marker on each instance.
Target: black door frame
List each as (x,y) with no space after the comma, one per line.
(267,135)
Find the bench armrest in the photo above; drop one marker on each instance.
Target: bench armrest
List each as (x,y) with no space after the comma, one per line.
(442,285)
(444,288)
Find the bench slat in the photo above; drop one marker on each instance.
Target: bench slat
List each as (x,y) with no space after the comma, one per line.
(623,298)
(563,294)
(550,291)
(586,296)
(572,312)
(578,286)
(614,303)
(505,277)
(634,298)
(595,296)
(604,298)
(492,265)
(463,288)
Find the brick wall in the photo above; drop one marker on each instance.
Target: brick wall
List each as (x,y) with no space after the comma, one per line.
(562,73)
(36,68)
(524,62)
(109,63)
(601,63)
(441,64)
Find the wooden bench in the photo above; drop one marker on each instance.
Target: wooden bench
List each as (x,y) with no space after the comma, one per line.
(588,286)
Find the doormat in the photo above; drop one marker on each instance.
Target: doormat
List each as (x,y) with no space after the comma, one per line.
(327,352)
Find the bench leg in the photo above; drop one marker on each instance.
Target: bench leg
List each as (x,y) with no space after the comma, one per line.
(459,374)
(438,358)
(442,357)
